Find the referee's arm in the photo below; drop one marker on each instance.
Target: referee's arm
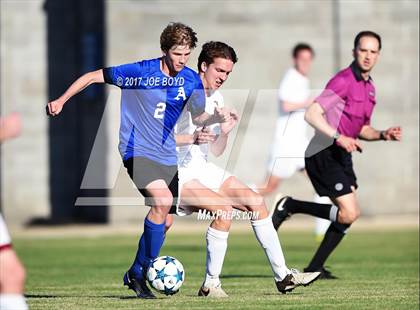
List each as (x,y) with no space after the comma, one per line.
(369,133)
(314,115)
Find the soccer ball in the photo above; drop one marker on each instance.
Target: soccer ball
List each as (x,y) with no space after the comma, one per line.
(166,275)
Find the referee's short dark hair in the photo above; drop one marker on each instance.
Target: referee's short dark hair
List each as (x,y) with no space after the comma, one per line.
(302,47)
(367,33)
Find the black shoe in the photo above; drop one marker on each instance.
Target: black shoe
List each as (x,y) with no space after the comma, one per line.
(139,286)
(280,213)
(286,285)
(325,273)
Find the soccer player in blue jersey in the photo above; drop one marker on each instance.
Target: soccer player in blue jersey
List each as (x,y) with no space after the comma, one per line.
(154,93)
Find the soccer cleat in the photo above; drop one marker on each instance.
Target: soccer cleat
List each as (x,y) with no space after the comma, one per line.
(139,286)
(325,274)
(276,199)
(295,279)
(280,213)
(214,292)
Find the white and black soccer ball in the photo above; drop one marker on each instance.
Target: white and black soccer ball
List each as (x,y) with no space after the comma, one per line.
(166,275)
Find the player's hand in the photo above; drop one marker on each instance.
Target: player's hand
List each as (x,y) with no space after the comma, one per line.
(227,127)
(54,107)
(234,114)
(10,126)
(222,114)
(393,134)
(203,136)
(349,144)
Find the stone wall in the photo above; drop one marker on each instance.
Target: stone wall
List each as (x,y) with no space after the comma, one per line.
(262,32)
(24,162)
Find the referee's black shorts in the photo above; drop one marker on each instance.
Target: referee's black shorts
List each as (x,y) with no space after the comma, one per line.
(330,170)
(143,171)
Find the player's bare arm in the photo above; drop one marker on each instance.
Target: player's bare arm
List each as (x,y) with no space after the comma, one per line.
(220,115)
(314,115)
(294,106)
(54,107)
(369,133)
(200,136)
(218,147)
(182,140)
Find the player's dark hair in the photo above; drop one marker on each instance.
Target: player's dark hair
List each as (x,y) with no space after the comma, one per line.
(177,34)
(302,47)
(367,33)
(215,49)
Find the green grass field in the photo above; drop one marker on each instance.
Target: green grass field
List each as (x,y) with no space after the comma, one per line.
(377,270)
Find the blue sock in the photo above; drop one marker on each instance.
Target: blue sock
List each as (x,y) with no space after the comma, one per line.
(150,244)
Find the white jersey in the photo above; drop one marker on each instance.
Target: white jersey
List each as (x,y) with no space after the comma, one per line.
(193,155)
(192,159)
(291,136)
(294,88)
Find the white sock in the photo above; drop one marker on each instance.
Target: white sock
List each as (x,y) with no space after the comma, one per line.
(267,237)
(216,250)
(12,302)
(321,225)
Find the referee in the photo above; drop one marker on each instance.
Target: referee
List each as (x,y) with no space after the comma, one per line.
(340,116)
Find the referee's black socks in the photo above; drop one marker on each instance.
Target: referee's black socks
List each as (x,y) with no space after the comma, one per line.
(325,211)
(332,238)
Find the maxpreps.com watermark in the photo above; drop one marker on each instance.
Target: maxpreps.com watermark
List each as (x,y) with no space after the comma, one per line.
(203,215)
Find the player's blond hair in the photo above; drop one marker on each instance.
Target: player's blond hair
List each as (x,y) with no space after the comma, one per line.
(177,34)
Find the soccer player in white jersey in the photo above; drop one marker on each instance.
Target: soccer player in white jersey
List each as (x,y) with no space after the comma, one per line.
(291,136)
(12,272)
(205,186)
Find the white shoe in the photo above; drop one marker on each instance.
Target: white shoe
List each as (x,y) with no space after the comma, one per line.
(295,279)
(214,292)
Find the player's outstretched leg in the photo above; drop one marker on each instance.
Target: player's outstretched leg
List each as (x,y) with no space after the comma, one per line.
(349,212)
(196,194)
(215,254)
(287,206)
(246,199)
(151,240)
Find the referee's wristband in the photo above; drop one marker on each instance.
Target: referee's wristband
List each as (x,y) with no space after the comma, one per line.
(382,135)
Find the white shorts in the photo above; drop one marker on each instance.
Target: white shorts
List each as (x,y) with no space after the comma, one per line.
(4,234)
(287,157)
(208,174)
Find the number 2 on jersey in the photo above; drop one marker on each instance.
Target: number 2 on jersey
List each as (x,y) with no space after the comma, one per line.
(160,110)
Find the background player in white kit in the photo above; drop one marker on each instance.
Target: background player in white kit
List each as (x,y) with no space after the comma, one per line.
(206,186)
(292,131)
(12,272)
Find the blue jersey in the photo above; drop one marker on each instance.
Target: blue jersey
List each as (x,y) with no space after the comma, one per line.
(151,103)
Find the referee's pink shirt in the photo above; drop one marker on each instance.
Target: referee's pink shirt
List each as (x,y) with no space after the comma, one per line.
(348,101)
